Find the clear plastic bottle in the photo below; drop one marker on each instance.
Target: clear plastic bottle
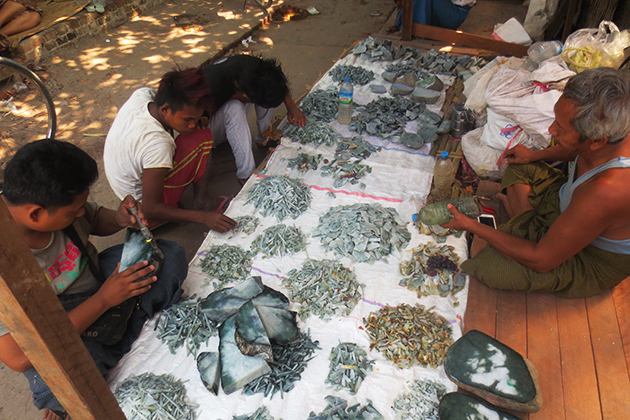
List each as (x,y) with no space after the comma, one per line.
(540,51)
(442,178)
(345,102)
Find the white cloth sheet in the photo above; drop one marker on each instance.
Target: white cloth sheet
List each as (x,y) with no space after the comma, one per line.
(401,179)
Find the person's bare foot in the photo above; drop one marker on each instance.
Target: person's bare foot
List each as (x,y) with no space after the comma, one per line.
(506,203)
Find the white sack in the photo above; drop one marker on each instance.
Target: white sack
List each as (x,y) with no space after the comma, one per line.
(481,157)
(512,95)
(475,87)
(501,132)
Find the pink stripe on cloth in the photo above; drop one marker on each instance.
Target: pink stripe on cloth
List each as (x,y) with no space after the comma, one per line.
(359,194)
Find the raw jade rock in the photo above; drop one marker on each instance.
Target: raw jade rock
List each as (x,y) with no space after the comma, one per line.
(458,406)
(428,133)
(407,80)
(389,76)
(398,89)
(279,324)
(488,368)
(137,249)
(444,127)
(272,298)
(431,82)
(237,369)
(425,96)
(429,117)
(209,367)
(378,88)
(221,304)
(251,337)
(412,140)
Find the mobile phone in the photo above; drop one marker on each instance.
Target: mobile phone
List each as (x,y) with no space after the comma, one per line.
(488,220)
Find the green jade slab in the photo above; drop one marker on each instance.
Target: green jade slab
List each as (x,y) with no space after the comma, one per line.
(458,406)
(221,304)
(492,370)
(209,367)
(251,337)
(237,369)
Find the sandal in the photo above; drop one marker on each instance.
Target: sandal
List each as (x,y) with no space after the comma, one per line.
(225,202)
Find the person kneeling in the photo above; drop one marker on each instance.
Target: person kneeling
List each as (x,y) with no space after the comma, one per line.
(143,159)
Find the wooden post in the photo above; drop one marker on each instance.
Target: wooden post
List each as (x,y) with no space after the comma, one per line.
(468,40)
(38,323)
(407,20)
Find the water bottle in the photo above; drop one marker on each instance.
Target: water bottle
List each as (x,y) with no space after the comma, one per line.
(442,178)
(540,51)
(345,102)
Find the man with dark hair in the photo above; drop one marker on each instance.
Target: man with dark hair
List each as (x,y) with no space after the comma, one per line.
(46,186)
(569,236)
(143,159)
(237,82)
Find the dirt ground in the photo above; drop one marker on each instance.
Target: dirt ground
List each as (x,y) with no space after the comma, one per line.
(92,78)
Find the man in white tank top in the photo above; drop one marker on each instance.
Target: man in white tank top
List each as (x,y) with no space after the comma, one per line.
(563,229)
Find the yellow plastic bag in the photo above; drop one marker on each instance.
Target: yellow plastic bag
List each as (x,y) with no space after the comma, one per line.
(591,48)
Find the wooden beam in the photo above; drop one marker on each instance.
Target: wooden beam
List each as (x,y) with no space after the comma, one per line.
(468,40)
(38,323)
(407,20)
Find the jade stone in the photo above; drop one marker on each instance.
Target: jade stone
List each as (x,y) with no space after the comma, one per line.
(412,140)
(398,89)
(425,96)
(378,88)
(458,406)
(428,133)
(488,368)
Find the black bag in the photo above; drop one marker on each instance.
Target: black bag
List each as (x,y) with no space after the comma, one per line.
(110,327)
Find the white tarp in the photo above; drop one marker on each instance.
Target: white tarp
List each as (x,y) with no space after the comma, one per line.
(401,179)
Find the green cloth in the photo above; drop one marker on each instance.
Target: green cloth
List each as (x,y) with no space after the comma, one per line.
(588,273)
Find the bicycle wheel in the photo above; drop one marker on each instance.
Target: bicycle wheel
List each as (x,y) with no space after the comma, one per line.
(27,111)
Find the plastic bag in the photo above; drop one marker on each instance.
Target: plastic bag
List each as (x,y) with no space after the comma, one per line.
(592,48)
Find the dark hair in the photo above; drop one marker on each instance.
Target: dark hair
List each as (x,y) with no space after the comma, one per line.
(602,104)
(184,87)
(49,173)
(263,82)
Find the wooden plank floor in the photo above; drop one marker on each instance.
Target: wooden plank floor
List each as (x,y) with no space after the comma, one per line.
(580,347)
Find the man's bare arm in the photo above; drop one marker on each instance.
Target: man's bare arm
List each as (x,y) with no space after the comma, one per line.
(294,114)
(116,289)
(522,154)
(575,228)
(155,208)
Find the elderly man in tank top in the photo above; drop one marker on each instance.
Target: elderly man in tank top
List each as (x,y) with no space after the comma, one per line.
(567,235)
